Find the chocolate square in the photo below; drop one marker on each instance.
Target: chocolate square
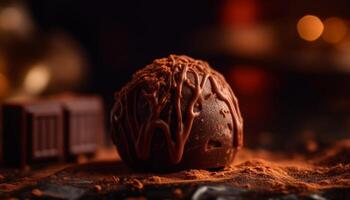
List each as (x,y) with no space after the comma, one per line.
(32,132)
(83,124)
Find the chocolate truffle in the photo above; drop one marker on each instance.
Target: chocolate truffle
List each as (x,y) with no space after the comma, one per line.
(177,113)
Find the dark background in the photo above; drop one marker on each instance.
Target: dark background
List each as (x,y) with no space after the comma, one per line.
(286,86)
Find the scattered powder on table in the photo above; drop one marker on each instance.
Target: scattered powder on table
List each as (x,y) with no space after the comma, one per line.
(253,169)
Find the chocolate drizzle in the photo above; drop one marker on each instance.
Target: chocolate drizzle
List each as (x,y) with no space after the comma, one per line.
(168,95)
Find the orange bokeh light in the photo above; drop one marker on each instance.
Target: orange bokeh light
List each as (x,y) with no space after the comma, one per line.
(310,27)
(249,80)
(335,30)
(240,12)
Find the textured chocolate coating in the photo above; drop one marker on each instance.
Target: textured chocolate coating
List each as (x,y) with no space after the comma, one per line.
(177,113)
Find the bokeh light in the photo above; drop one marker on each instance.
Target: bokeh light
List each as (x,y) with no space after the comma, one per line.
(37,79)
(11,18)
(66,60)
(252,41)
(4,85)
(249,80)
(15,19)
(240,12)
(335,30)
(310,27)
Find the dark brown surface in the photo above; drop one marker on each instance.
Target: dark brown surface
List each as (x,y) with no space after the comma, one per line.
(177,113)
(255,174)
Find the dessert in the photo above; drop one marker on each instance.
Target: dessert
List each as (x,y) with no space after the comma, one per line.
(177,113)
(32,132)
(83,125)
(53,129)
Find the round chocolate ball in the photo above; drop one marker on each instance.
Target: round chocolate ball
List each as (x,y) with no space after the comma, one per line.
(177,113)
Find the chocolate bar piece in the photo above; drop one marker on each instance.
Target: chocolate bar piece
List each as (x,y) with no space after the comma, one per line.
(83,124)
(51,129)
(32,132)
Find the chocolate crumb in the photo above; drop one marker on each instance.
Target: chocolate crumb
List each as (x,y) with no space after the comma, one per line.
(136,183)
(81,159)
(37,192)
(155,179)
(178,193)
(116,179)
(98,188)
(197,174)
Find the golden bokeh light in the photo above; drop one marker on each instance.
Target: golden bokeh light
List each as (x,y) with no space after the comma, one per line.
(310,27)
(335,30)
(15,19)
(11,18)
(37,79)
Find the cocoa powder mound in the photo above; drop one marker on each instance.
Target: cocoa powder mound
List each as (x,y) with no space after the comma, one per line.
(257,170)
